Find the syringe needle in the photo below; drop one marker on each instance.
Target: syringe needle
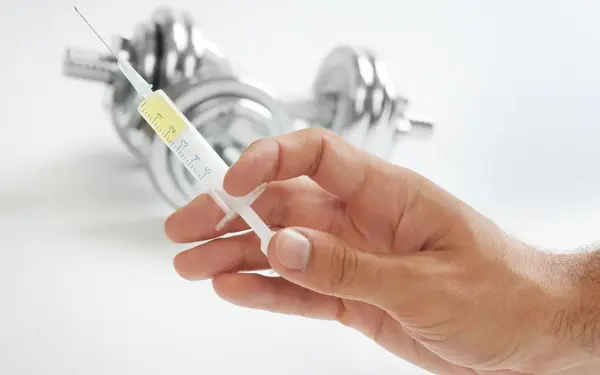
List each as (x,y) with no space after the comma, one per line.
(95,32)
(136,80)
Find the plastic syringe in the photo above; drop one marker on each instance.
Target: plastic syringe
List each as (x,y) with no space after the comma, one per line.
(190,147)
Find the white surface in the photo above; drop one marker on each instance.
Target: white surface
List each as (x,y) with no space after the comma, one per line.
(86,280)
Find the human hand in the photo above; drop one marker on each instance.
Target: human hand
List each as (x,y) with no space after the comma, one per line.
(385,251)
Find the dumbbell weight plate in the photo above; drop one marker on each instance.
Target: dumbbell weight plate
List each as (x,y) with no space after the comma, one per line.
(364,102)
(140,51)
(381,104)
(220,91)
(205,118)
(344,77)
(164,49)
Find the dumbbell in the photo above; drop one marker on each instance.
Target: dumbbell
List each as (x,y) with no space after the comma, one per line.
(352,95)
(171,53)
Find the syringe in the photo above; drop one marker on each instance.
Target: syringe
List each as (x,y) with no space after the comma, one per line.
(192,150)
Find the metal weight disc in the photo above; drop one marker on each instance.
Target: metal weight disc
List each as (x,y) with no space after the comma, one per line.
(230,125)
(185,51)
(140,50)
(213,123)
(164,49)
(344,79)
(355,82)
(381,103)
(230,113)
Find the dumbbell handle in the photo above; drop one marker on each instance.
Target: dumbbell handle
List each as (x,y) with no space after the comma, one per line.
(310,110)
(90,65)
(323,112)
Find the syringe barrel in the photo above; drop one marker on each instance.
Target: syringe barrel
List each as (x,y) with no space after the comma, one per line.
(182,138)
(199,158)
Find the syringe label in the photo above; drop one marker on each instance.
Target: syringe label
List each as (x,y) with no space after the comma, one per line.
(165,121)
(174,131)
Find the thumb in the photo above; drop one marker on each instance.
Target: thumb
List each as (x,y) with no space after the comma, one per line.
(326,264)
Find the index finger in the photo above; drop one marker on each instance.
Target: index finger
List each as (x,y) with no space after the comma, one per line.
(338,167)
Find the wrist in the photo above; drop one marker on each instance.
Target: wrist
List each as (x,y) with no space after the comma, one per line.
(571,312)
(590,368)
(559,324)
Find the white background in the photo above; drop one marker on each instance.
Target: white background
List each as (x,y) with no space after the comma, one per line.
(86,279)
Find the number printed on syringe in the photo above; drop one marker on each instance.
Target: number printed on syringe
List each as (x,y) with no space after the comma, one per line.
(190,163)
(168,133)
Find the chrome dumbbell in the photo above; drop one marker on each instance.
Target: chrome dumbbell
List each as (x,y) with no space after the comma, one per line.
(352,95)
(171,53)
(165,49)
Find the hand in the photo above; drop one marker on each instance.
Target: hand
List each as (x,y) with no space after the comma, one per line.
(385,251)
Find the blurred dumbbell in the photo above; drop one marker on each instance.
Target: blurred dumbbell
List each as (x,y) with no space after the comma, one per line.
(230,113)
(172,54)
(352,95)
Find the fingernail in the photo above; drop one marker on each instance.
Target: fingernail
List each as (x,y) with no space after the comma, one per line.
(292,250)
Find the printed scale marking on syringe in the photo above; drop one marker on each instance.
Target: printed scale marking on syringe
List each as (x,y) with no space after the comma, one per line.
(168,133)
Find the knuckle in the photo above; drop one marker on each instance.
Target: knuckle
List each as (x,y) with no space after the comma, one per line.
(253,144)
(257,143)
(319,136)
(317,132)
(344,266)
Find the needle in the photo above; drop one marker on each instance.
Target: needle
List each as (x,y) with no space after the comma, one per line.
(98,35)
(138,82)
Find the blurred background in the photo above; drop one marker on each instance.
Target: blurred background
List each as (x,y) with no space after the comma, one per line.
(86,278)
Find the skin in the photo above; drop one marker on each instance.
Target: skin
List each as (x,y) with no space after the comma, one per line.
(394,256)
